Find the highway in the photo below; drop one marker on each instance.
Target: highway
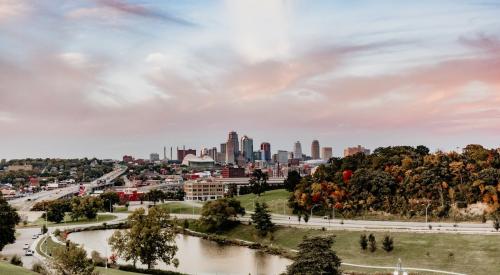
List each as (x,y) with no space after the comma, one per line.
(24,204)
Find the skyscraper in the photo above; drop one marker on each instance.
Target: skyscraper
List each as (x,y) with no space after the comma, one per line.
(282,157)
(247,148)
(326,153)
(315,149)
(297,150)
(266,147)
(232,146)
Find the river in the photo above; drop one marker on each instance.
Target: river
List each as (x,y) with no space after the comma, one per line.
(198,256)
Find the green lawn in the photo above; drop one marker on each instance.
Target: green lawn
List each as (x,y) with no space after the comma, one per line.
(68,221)
(47,246)
(181,208)
(112,271)
(7,268)
(277,201)
(471,254)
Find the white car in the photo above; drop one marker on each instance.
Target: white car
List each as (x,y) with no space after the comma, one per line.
(35,236)
(26,246)
(29,252)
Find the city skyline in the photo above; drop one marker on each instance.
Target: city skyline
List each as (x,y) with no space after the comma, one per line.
(104,78)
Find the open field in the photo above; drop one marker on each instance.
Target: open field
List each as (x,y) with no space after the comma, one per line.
(471,254)
(276,200)
(181,208)
(112,271)
(7,268)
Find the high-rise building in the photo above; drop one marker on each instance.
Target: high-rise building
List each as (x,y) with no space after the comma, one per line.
(247,148)
(282,157)
(212,153)
(222,154)
(326,153)
(232,147)
(315,149)
(266,147)
(349,151)
(154,157)
(257,155)
(297,150)
(164,152)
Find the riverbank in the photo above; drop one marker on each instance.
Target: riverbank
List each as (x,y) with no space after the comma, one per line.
(471,254)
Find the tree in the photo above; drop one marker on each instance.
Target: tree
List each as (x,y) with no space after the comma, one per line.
(316,256)
(292,180)
(149,239)
(85,206)
(219,215)
(258,182)
(8,220)
(71,259)
(109,199)
(262,219)
(44,229)
(56,211)
(496,224)
(388,243)
(372,242)
(363,241)
(155,195)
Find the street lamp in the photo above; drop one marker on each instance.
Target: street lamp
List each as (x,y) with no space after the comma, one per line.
(313,208)
(427,207)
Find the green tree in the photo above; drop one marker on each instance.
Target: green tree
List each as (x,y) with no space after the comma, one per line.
(388,243)
(372,243)
(316,257)
(8,220)
(363,242)
(292,180)
(258,182)
(85,206)
(71,259)
(149,239)
(44,229)
(262,219)
(109,199)
(496,224)
(220,214)
(155,196)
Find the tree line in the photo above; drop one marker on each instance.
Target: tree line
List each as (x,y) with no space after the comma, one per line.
(401,180)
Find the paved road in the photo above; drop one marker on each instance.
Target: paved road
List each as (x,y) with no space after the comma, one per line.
(25,203)
(26,234)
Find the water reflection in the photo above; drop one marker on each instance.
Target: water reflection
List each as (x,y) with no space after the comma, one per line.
(198,256)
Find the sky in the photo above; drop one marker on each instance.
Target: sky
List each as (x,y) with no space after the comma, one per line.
(104,78)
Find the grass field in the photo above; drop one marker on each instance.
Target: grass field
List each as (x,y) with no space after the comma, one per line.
(47,246)
(112,271)
(7,268)
(471,254)
(181,208)
(68,221)
(276,200)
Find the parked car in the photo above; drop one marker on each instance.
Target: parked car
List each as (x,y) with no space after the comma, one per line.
(35,236)
(29,252)
(26,246)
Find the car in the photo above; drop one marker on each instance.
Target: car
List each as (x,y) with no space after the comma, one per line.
(26,246)
(29,252)
(35,236)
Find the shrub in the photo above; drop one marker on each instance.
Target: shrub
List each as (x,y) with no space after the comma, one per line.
(97,259)
(57,232)
(372,242)
(131,268)
(363,241)
(388,243)
(39,268)
(16,260)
